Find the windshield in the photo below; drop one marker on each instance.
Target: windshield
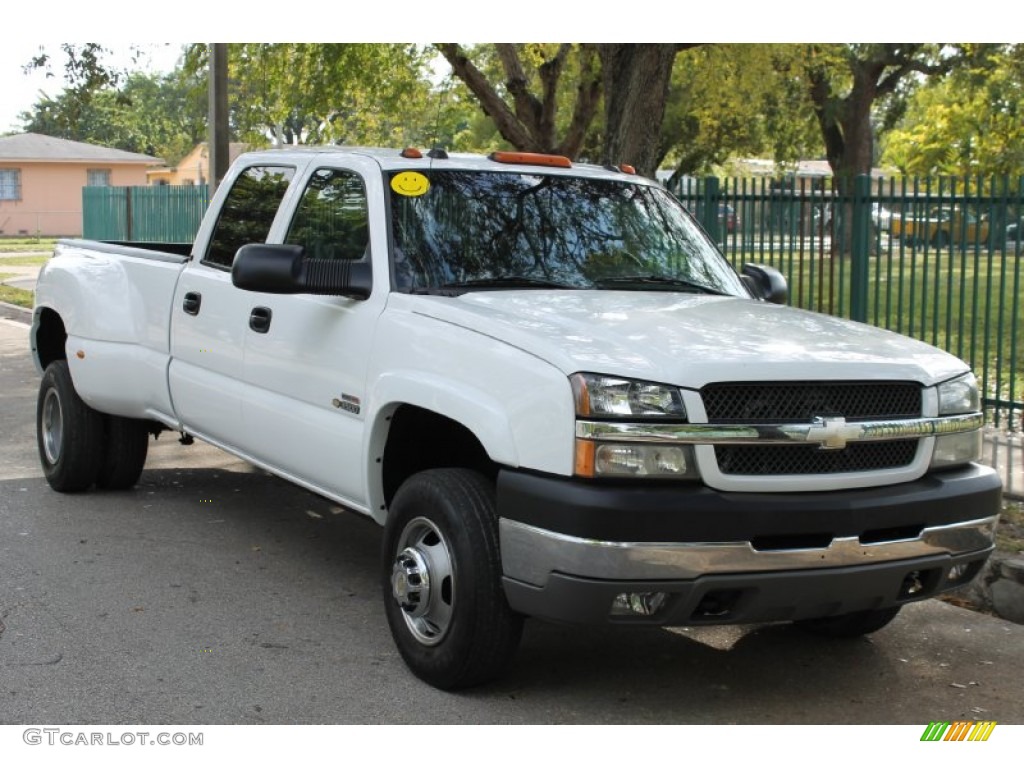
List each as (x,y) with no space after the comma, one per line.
(461,230)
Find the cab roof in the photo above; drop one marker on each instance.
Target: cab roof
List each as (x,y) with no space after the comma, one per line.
(393,160)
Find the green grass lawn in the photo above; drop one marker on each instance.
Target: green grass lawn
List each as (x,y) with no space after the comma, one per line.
(26,244)
(23,261)
(17,296)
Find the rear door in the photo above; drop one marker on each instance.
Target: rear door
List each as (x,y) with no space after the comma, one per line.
(209,316)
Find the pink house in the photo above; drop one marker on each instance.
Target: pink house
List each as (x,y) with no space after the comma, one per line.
(41,180)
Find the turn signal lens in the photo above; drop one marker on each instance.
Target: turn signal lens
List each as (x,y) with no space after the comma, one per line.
(634,460)
(531,158)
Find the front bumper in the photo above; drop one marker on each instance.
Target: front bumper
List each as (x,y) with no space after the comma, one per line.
(570,548)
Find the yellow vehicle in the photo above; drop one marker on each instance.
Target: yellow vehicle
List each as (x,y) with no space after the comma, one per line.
(940,226)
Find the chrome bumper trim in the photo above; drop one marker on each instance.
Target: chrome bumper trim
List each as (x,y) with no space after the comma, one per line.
(531,554)
(828,432)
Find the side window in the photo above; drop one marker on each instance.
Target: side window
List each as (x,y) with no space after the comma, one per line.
(248,212)
(331,221)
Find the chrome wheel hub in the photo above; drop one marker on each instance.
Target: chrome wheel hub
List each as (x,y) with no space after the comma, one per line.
(52,427)
(422,581)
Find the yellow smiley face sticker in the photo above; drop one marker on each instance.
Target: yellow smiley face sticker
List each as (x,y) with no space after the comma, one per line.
(410,184)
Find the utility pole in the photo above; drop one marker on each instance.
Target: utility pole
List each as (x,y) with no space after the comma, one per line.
(218,121)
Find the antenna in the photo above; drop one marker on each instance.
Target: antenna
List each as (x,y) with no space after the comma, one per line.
(437,150)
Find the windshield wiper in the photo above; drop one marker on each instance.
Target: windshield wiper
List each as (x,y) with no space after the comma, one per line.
(656,282)
(509,282)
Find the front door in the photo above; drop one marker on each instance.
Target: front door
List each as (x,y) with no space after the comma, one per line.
(306,356)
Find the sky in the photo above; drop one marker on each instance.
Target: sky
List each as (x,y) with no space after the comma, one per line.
(20,90)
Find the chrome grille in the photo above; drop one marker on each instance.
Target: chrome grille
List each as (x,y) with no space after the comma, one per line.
(802,402)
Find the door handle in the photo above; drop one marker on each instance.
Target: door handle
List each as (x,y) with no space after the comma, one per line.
(192,303)
(259,319)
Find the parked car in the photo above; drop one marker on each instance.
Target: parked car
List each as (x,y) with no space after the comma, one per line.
(1013,236)
(940,226)
(727,219)
(881,216)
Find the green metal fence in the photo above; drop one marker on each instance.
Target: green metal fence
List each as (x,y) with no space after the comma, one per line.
(168,214)
(936,259)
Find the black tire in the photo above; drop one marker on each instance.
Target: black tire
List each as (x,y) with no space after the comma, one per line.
(68,432)
(125,444)
(940,239)
(850,624)
(441,579)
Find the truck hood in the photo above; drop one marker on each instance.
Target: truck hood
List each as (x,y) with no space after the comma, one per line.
(686,339)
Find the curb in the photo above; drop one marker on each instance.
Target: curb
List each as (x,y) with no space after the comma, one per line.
(14,312)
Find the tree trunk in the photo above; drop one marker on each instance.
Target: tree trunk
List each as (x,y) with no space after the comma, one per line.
(636,84)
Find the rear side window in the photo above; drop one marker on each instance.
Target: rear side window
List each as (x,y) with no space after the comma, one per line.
(331,221)
(248,212)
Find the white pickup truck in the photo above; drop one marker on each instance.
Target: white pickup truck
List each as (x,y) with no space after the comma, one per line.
(545,383)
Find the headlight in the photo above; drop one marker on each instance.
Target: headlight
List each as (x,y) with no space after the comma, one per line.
(958,396)
(607,396)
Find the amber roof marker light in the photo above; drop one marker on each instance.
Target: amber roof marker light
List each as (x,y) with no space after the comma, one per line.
(530,158)
(411,153)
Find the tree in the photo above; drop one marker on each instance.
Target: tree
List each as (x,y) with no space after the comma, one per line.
(969,123)
(301,93)
(160,115)
(636,89)
(527,99)
(528,110)
(846,81)
(729,100)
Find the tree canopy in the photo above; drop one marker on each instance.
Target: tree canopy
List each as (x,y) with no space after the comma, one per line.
(936,108)
(159,115)
(969,123)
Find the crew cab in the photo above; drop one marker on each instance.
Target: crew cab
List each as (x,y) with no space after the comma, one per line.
(546,384)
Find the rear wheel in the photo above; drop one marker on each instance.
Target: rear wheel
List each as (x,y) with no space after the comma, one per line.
(441,579)
(69,433)
(850,624)
(125,444)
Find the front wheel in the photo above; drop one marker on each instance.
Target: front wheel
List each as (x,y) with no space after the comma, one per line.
(441,578)
(850,624)
(69,433)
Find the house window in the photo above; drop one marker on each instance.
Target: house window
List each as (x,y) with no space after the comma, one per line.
(97,177)
(10,184)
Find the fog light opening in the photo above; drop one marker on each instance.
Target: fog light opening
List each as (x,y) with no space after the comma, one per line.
(912,584)
(961,573)
(638,603)
(717,604)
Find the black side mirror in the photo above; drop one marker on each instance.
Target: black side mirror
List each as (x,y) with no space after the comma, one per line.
(284,269)
(765,283)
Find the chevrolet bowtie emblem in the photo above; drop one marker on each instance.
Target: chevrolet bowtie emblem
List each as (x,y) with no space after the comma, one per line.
(832,432)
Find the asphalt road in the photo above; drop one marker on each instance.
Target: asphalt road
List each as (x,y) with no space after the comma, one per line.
(214,593)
